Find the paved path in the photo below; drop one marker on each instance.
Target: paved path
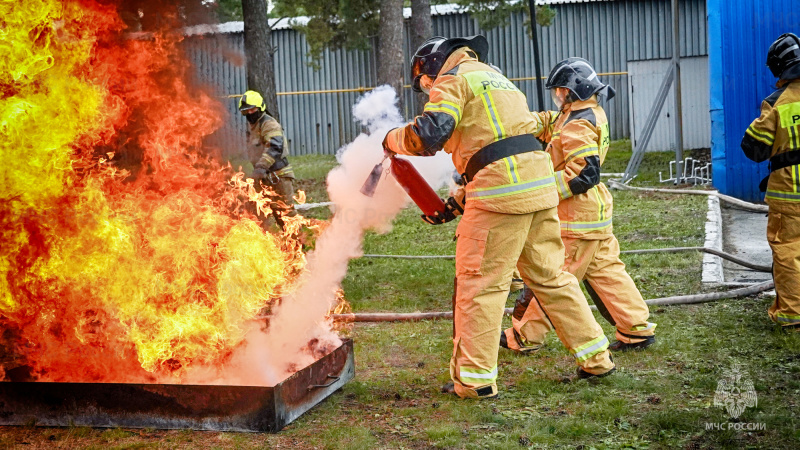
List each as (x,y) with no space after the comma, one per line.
(745,234)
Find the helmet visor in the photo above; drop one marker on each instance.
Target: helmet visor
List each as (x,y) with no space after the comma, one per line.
(558,101)
(416,73)
(416,68)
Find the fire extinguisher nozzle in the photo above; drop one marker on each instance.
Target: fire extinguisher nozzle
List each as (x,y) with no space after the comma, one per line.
(374,177)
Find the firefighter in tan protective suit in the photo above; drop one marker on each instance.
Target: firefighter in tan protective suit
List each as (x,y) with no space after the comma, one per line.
(578,140)
(267,151)
(509,211)
(775,136)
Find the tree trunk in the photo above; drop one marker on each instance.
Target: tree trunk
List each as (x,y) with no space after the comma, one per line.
(421,30)
(390,46)
(258,50)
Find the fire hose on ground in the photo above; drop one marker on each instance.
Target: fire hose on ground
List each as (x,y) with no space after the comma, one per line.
(675,300)
(727,256)
(747,206)
(369,188)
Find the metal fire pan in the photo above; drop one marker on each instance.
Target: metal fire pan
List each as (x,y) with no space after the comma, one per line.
(175,406)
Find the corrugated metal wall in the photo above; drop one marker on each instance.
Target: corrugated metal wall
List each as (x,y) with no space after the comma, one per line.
(645,78)
(319,123)
(219,65)
(606,33)
(740,33)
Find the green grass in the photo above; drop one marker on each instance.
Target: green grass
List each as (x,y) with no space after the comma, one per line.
(660,398)
(620,152)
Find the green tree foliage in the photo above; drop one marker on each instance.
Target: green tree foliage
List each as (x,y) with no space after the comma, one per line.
(229,10)
(545,15)
(495,13)
(352,23)
(333,24)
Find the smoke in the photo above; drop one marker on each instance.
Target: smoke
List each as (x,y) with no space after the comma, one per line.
(300,318)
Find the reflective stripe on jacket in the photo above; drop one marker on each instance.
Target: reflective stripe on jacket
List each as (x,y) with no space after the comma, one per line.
(471,106)
(578,140)
(777,131)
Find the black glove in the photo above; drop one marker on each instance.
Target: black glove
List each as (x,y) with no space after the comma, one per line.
(451,206)
(259,173)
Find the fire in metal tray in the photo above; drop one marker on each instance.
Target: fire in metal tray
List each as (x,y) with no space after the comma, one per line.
(127,254)
(169,406)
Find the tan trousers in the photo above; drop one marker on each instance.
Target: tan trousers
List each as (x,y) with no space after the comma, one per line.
(489,246)
(783,234)
(282,203)
(597,263)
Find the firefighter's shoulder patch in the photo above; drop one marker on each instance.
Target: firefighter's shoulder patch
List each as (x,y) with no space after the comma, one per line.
(586,114)
(773,98)
(453,71)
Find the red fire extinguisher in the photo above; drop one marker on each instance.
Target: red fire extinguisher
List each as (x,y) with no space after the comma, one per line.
(411,181)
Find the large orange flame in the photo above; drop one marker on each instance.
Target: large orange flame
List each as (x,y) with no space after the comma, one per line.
(123,256)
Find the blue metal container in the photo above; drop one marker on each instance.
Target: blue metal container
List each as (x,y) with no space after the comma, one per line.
(739,35)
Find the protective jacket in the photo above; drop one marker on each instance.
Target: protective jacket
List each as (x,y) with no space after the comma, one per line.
(775,135)
(578,140)
(510,219)
(268,148)
(472,106)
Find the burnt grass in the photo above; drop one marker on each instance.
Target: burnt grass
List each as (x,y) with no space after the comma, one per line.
(662,397)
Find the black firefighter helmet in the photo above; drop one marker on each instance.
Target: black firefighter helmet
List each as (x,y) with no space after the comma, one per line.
(578,75)
(431,55)
(783,58)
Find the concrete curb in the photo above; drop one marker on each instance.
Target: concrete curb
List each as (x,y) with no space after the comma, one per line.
(712,265)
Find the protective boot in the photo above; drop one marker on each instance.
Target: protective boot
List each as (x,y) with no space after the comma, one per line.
(582,374)
(517,345)
(535,321)
(620,346)
(450,388)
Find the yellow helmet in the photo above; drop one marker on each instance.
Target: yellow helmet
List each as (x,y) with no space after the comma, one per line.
(251,99)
